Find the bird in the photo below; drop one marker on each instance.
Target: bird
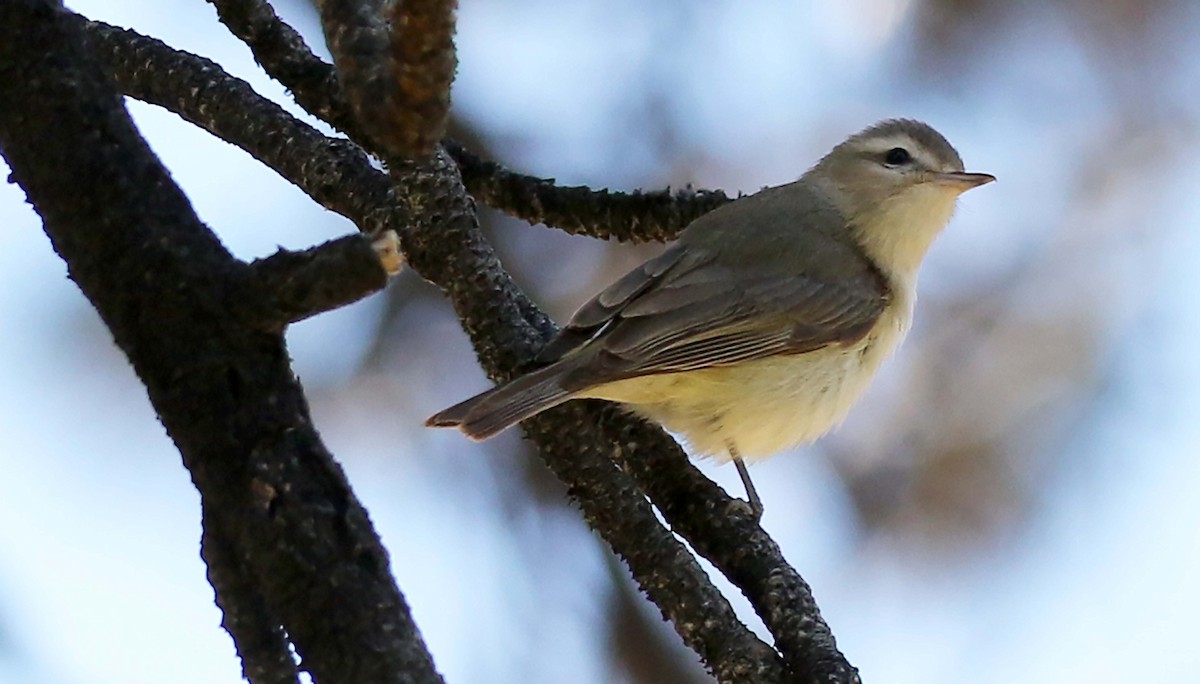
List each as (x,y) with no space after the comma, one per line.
(764,322)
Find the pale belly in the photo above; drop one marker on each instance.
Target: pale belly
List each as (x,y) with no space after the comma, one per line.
(763,406)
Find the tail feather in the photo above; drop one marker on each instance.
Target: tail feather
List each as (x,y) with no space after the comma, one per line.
(499,408)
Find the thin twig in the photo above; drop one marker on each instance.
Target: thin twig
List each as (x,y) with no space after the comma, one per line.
(334,172)
(650,216)
(281,50)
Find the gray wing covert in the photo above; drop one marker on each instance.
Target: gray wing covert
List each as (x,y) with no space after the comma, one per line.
(707,320)
(604,307)
(698,305)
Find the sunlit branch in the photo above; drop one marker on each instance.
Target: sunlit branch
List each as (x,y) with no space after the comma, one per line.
(423,61)
(395,70)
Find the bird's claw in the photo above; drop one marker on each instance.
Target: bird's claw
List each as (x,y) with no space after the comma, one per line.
(742,507)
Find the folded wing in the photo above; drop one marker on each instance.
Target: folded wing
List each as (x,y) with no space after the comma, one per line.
(687,310)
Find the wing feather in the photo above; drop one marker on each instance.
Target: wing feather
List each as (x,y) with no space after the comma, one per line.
(604,307)
(698,306)
(797,316)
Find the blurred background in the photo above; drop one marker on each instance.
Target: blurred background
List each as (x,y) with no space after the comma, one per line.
(1017,498)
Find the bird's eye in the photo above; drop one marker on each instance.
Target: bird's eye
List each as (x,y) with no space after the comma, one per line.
(897,156)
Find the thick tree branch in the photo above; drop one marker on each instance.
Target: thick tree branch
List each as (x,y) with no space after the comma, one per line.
(445,246)
(396,73)
(507,330)
(260,640)
(334,172)
(436,221)
(291,286)
(423,60)
(653,216)
(226,395)
(780,595)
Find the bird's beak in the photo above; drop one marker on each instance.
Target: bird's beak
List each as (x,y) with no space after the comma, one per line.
(961,180)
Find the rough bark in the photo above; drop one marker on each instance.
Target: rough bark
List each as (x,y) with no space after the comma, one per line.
(287,544)
(277,507)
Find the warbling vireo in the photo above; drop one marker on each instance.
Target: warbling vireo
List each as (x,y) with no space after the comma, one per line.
(763,323)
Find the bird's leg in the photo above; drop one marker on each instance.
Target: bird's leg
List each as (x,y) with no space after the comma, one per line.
(756,506)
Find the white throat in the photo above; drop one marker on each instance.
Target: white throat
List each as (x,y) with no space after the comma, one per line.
(899,231)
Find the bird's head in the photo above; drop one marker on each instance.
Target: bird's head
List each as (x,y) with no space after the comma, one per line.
(896,183)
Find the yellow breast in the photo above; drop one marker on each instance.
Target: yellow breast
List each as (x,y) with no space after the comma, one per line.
(767,405)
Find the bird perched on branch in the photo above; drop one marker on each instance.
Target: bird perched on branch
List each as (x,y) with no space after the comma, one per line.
(760,327)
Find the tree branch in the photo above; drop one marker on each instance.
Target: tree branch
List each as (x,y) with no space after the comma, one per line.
(332,171)
(226,394)
(258,637)
(507,330)
(423,60)
(438,229)
(290,286)
(397,80)
(445,246)
(653,216)
(701,512)
(282,52)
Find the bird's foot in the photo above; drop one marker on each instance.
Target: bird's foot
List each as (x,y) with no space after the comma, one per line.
(751,509)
